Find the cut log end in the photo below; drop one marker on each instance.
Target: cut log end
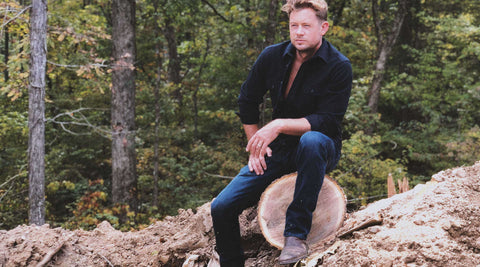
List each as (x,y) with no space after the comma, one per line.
(328,216)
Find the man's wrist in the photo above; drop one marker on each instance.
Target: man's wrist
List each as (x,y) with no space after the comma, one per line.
(278,125)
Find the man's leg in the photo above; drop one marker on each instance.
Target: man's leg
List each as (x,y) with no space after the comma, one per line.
(316,155)
(242,192)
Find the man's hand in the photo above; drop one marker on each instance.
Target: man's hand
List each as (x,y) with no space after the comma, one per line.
(259,139)
(257,163)
(258,147)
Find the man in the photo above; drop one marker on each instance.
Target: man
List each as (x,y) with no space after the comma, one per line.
(309,83)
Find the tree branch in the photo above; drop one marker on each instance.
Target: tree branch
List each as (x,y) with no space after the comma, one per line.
(5,23)
(216,12)
(50,254)
(14,177)
(219,176)
(81,120)
(376,22)
(9,189)
(397,23)
(101,65)
(16,16)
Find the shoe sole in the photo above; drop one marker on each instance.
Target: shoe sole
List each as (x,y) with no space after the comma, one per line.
(290,261)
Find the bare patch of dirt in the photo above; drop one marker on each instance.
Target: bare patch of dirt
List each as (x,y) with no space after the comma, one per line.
(434,224)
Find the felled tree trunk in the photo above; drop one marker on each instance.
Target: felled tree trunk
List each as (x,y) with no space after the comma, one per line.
(328,217)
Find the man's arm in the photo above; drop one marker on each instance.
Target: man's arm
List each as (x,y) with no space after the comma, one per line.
(250,130)
(259,139)
(331,109)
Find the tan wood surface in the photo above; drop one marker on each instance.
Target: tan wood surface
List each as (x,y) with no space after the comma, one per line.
(328,216)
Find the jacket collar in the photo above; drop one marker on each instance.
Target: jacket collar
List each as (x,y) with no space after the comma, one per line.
(322,52)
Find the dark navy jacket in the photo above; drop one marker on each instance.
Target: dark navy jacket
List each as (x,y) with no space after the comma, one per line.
(319,93)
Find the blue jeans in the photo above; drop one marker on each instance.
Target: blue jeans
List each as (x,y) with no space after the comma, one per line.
(313,156)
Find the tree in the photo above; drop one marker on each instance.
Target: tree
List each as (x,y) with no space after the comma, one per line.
(5,53)
(36,112)
(124,176)
(271,25)
(158,80)
(386,40)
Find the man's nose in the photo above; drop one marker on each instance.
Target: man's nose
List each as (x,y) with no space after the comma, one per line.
(300,31)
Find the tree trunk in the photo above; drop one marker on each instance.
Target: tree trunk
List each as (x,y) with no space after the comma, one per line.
(197,88)
(327,218)
(6,54)
(374,93)
(250,40)
(124,176)
(337,8)
(270,30)
(271,23)
(158,79)
(174,66)
(36,112)
(173,58)
(385,44)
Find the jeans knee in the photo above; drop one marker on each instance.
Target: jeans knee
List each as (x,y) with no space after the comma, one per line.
(216,208)
(314,140)
(220,208)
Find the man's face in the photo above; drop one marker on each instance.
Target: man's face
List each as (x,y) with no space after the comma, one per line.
(306,30)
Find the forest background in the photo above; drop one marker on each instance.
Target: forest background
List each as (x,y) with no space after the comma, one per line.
(422,56)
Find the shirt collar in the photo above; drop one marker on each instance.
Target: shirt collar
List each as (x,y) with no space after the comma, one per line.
(322,52)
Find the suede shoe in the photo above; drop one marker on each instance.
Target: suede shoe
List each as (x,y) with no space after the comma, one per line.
(294,250)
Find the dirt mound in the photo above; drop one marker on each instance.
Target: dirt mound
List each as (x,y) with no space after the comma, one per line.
(434,224)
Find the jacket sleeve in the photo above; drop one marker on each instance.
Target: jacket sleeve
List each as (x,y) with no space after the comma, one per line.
(330,110)
(253,90)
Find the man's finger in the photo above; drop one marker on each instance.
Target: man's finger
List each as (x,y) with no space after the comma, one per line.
(263,163)
(258,167)
(269,151)
(254,144)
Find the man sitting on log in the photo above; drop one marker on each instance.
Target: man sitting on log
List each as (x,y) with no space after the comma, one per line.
(309,82)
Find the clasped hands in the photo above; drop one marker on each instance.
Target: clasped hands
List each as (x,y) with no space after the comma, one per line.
(258,148)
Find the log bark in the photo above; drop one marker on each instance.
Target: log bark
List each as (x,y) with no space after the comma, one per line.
(36,112)
(328,217)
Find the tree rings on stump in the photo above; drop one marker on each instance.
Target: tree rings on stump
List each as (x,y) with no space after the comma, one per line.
(328,216)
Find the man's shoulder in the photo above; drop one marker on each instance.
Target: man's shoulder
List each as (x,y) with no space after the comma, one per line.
(335,55)
(278,49)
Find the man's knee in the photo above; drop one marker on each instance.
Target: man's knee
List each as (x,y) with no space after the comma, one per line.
(223,207)
(217,208)
(315,140)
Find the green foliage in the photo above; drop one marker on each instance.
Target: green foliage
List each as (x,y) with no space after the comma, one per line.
(93,208)
(434,98)
(361,171)
(14,200)
(185,170)
(13,177)
(465,148)
(428,111)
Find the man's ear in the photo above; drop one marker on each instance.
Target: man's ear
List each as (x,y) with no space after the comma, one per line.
(324,27)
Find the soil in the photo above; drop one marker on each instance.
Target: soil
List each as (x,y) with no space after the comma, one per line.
(434,224)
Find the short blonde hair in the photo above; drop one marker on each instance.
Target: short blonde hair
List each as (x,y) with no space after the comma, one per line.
(320,7)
